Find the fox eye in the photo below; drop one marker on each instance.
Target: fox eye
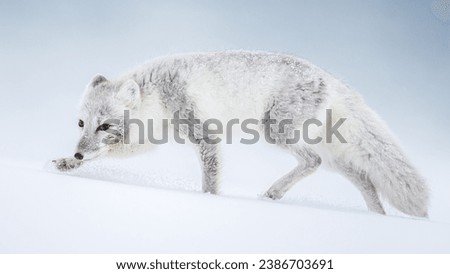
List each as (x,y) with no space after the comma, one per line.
(103,127)
(80,123)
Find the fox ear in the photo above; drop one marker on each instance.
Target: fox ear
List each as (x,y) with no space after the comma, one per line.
(98,79)
(129,94)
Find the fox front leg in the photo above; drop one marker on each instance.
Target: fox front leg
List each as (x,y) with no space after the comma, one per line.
(66,164)
(210,164)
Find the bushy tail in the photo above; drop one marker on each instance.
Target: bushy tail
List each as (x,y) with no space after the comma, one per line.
(372,149)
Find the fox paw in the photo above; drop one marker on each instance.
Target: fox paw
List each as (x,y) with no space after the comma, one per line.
(66,164)
(273,194)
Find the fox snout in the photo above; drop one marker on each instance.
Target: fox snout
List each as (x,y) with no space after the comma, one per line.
(88,147)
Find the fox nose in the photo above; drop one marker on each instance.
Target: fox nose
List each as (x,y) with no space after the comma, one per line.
(79,156)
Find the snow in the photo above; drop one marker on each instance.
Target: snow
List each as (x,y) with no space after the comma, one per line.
(152,204)
(86,215)
(396,56)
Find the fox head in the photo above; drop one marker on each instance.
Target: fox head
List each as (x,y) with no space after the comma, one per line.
(101,116)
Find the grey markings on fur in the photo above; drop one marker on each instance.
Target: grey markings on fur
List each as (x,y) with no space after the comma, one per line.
(209,155)
(294,102)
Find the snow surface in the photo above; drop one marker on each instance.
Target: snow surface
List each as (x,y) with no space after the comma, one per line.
(152,203)
(395,54)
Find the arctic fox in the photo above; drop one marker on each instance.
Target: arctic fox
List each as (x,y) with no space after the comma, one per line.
(258,85)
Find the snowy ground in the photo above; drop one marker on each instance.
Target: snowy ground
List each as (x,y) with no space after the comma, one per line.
(396,54)
(152,203)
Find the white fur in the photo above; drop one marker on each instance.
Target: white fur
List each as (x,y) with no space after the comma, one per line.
(227,85)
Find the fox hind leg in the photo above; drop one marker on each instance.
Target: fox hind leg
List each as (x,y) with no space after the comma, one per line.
(363,183)
(308,162)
